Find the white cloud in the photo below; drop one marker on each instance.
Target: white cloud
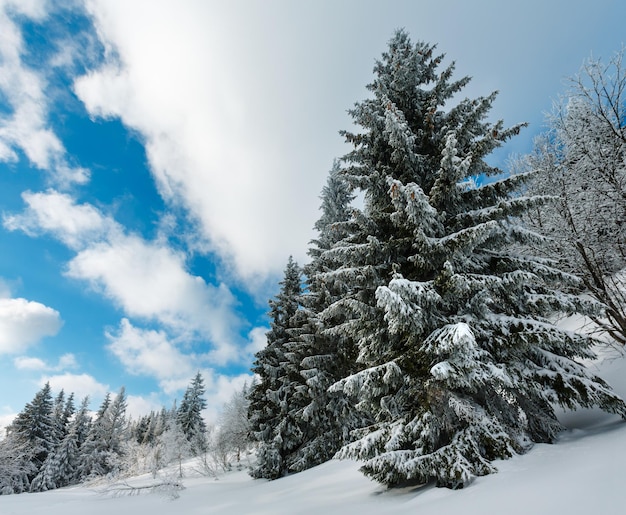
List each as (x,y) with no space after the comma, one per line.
(257,340)
(150,281)
(81,384)
(5,290)
(26,127)
(24,89)
(137,406)
(149,352)
(5,420)
(35,9)
(153,353)
(220,389)
(218,137)
(147,279)
(66,361)
(58,214)
(26,363)
(24,323)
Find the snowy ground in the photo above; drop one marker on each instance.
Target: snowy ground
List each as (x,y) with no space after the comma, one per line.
(582,474)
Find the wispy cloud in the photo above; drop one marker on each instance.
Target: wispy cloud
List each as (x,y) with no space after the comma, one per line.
(137,405)
(66,361)
(76,225)
(28,363)
(25,127)
(5,290)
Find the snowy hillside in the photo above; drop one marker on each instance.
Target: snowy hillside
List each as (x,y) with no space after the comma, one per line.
(581,474)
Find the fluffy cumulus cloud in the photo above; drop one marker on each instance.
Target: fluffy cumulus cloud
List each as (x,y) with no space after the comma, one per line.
(24,323)
(150,352)
(257,340)
(81,384)
(219,137)
(137,406)
(148,280)
(153,353)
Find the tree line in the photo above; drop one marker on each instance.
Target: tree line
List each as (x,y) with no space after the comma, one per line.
(51,444)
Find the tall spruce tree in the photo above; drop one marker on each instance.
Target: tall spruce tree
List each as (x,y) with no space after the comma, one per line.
(329,416)
(102,450)
(62,411)
(277,400)
(34,428)
(462,363)
(61,467)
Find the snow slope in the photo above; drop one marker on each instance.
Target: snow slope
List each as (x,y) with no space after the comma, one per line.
(582,474)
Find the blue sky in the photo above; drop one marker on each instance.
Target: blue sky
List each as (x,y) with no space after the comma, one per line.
(160,160)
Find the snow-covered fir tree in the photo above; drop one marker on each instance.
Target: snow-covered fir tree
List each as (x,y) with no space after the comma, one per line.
(140,430)
(277,400)
(462,363)
(15,465)
(102,451)
(159,423)
(62,466)
(149,427)
(190,414)
(34,428)
(328,357)
(155,451)
(62,411)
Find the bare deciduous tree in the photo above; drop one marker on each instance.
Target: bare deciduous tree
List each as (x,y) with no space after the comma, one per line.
(581,162)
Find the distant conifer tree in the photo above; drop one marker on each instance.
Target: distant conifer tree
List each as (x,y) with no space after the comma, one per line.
(276,401)
(34,427)
(189,414)
(102,452)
